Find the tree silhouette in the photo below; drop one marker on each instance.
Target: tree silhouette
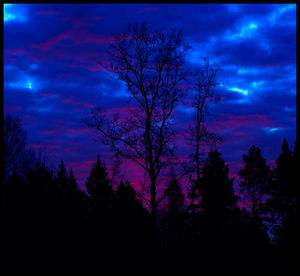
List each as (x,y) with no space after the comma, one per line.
(49,222)
(13,219)
(174,219)
(134,233)
(42,201)
(283,195)
(101,219)
(14,141)
(216,188)
(152,67)
(16,156)
(72,181)
(175,198)
(205,81)
(256,175)
(219,204)
(99,187)
(62,179)
(28,208)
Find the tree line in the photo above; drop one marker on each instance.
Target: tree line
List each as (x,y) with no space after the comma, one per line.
(51,225)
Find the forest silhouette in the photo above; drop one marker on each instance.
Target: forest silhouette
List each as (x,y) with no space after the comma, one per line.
(51,225)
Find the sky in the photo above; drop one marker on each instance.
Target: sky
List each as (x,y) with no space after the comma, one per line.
(52,78)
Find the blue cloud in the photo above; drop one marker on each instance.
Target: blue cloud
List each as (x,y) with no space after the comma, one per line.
(246,32)
(50,67)
(14,12)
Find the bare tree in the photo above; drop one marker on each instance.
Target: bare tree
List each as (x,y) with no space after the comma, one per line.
(205,81)
(14,143)
(16,156)
(152,66)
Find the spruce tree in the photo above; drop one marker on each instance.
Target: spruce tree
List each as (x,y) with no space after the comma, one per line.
(174,221)
(62,178)
(216,188)
(285,184)
(283,194)
(72,181)
(219,219)
(132,217)
(256,176)
(175,199)
(101,218)
(99,186)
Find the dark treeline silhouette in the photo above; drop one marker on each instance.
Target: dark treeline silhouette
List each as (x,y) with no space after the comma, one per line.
(51,225)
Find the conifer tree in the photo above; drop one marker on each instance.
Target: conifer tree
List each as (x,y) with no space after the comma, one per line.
(101,218)
(174,221)
(284,174)
(216,187)
(72,181)
(283,194)
(61,178)
(132,217)
(175,198)
(219,224)
(256,175)
(99,186)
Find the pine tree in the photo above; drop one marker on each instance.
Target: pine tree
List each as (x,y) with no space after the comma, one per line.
(283,193)
(45,214)
(217,195)
(133,232)
(219,219)
(284,173)
(256,175)
(101,218)
(131,215)
(62,178)
(67,215)
(175,197)
(72,181)
(174,221)
(40,183)
(99,186)
(127,196)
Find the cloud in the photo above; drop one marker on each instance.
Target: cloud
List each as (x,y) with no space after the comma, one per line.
(76,36)
(14,13)
(246,32)
(149,9)
(281,11)
(52,76)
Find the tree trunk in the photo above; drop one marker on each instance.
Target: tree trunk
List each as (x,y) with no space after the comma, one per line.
(153,201)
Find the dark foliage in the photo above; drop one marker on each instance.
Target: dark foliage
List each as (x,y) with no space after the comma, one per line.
(173,220)
(51,225)
(282,203)
(216,188)
(256,176)
(220,215)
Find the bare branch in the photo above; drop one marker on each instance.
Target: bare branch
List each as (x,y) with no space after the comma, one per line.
(152,68)
(172,185)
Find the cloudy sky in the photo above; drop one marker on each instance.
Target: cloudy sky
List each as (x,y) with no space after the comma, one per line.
(52,78)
